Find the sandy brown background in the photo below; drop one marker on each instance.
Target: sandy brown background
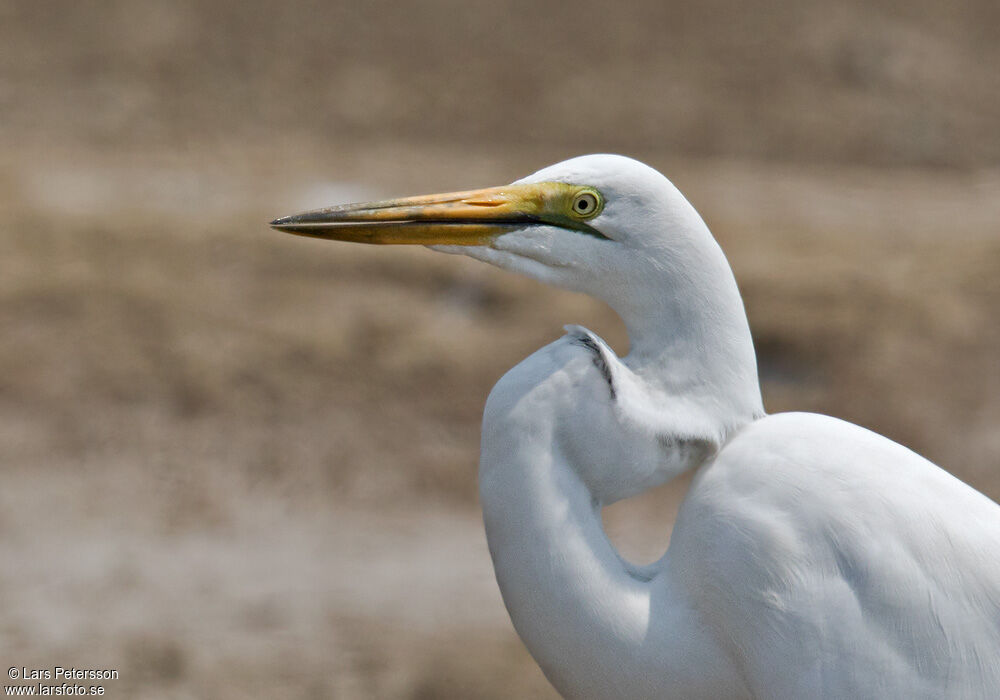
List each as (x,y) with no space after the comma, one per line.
(237,464)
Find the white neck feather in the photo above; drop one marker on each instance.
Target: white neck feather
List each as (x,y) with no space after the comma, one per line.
(584,613)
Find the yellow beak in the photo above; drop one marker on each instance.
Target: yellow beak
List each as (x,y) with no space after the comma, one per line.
(457,218)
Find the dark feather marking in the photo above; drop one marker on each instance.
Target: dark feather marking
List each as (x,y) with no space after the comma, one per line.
(602,366)
(694,449)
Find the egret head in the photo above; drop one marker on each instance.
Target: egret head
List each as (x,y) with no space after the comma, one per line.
(599,224)
(604,225)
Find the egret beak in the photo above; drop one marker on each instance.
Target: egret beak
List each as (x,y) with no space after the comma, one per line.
(457,218)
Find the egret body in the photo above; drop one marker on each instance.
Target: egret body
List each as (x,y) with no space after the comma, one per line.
(811,558)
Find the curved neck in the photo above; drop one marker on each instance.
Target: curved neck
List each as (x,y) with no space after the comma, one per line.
(595,627)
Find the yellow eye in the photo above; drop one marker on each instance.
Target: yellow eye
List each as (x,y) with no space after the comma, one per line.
(586,204)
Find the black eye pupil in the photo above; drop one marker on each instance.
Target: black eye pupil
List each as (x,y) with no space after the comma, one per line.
(585,204)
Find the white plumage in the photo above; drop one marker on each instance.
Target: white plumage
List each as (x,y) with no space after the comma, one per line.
(810,559)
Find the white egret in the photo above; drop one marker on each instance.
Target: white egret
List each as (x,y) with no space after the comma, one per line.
(811,558)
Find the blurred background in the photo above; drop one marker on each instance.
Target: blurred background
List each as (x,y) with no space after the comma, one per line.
(235,463)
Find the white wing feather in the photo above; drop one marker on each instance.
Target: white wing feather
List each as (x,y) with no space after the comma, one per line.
(851,563)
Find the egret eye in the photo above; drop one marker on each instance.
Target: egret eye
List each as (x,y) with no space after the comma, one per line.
(586,204)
